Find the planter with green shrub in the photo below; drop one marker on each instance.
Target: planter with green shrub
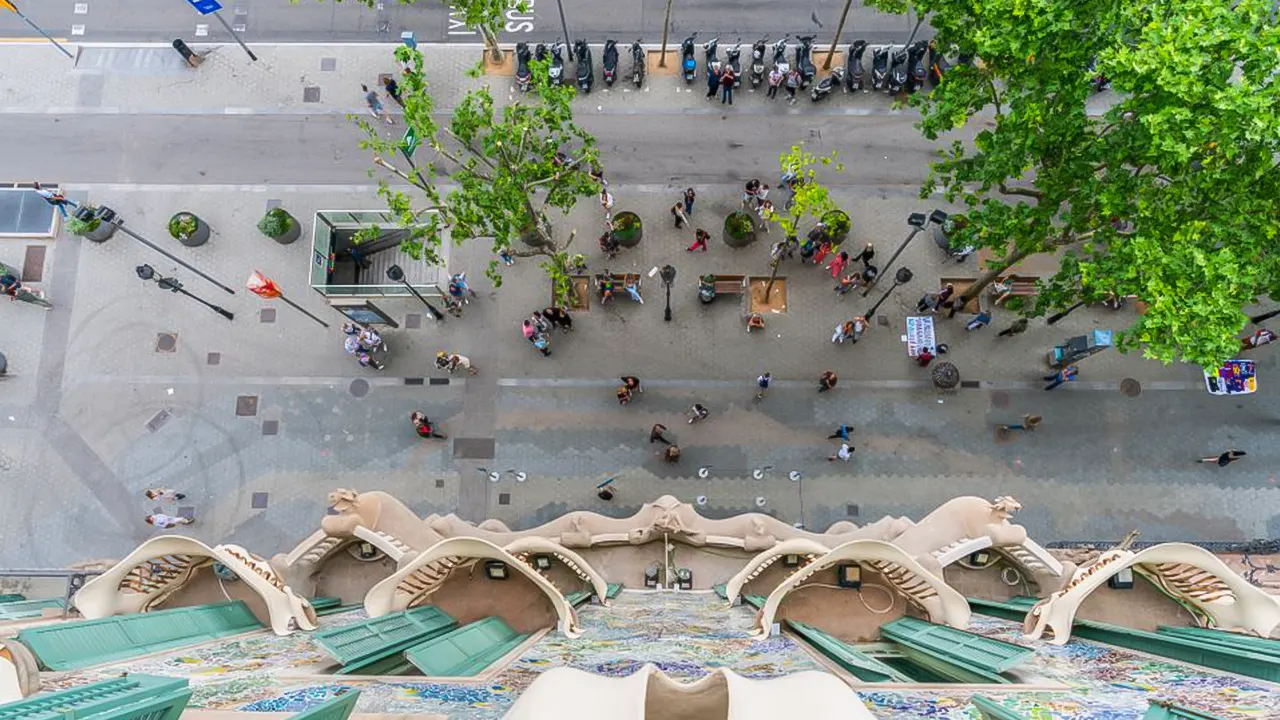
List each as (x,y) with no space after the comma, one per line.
(280,226)
(188,229)
(837,224)
(86,223)
(627,228)
(739,229)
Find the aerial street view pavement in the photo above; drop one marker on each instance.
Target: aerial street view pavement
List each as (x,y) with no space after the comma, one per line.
(639,360)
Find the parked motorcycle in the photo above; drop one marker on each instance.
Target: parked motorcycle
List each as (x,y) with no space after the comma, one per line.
(733,58)
(610,62)
(709,51)
(523,75)
(938,64)
(780,56)
(880,67)
(915,65)
(804,60)
(556,71)
(638,63)
(586,73)
(897,73)
(687,62)
(829,83)
(855,73)
(757,62)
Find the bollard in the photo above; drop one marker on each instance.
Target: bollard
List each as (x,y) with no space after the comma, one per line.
(193,59)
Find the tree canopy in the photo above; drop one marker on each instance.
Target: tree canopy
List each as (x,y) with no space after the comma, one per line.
(511,166)
(811,199)
(1165,189)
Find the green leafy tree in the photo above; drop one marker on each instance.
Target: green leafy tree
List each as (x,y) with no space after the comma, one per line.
(1166,190)
(487,16)
(512,167)
(811,200)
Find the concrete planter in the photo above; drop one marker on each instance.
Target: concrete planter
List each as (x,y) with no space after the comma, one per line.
(180,229)
(280,226)
(837,224)
(739,229)
(627,229)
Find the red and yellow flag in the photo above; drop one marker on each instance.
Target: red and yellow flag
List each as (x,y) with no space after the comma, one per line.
(258,283)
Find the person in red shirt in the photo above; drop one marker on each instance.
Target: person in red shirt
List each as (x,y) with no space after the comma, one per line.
(422,425)
(727,79)
(925,357)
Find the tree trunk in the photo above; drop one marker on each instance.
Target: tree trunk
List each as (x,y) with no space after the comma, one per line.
(839,29)
(773,275)
(991,275)
(666,25)
(491,43)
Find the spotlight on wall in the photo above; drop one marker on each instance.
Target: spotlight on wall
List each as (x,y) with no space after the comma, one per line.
(849,576)
(1122,580)
(791,560)
(684,578)
(542,562)
(495,569)
(367,551)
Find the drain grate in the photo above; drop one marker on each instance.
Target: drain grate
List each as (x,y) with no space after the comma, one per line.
(439,482)
(414,381)
(214,358)
(246,405)
(310,94)
(158,420)
(166,342)
(359,387)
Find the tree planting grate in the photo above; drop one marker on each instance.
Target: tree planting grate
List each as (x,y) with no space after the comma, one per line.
(166,342)
(310,94)
(504,498)
(246,405)
(270,427)
(359,387)
(1130,387)
(258,501)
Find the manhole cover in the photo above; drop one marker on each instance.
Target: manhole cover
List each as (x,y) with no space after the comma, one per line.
(999,398)
(1130,387)
(166,342)
(311,95)
(359,387)
(246,405)
(945,376)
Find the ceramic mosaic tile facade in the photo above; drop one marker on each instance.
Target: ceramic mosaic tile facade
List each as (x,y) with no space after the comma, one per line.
(686,635)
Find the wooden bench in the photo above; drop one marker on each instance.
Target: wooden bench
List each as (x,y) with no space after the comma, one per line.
(1022,287)
(731,284)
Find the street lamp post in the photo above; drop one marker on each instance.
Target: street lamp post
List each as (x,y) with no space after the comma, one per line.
(146,272)
(397,275)
(668,277)
(1058,316)
(917,221)
(902,277)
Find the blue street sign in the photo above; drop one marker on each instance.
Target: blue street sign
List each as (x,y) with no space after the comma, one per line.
(204,7)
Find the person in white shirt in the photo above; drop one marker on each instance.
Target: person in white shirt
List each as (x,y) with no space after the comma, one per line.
(163,521)
(167,495)
(844,453)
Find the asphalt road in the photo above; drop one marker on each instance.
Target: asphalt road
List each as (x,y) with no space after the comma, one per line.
(879,150)
(432,21)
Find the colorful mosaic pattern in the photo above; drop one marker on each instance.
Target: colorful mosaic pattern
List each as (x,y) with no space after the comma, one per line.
(687,635)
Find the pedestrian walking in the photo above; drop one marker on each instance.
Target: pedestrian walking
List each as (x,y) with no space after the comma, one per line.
(727,79)
(697,413)
(844,331)
(1224,459)
(672,454)
(763,382)
(624,395)
(848,283)
(632,382)
(713,80)
(606,202)
(558,317)
(844,453)
(1018,327)
(689,197)
(393,90)
(677,212)
(867,254)
(658,433)
(700,238)
(860,325)
(163,521)
(597,173)
(925,357)
(165,495)
(775,81)
(978,321)
(423,427)
(1028,424)
(793,82)
(765,211)
(453,361)
(1066,374)
(836,266)
(762,195)
(53,197)
(842,433)
(827,381)
(375,105)
(506,257)
(365,360)
(749,193)
(944,298)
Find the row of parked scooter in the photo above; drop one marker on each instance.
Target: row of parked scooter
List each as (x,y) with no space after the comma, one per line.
(893,71)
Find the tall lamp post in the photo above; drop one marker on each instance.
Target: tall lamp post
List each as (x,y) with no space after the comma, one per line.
(395,274)
(668,277)
(146,272)
(902,277)
(917,221)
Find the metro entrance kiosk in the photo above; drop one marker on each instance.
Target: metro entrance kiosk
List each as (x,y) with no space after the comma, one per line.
(1079,347)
